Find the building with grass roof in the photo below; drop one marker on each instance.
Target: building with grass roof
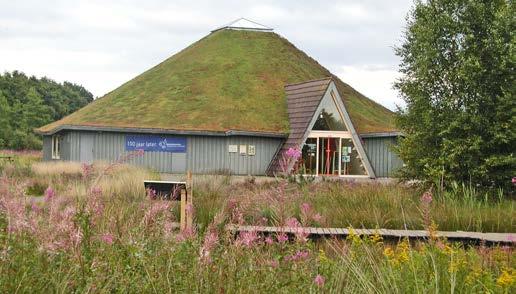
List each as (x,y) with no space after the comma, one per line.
(233,102)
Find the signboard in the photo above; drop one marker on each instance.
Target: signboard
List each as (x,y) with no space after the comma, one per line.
(346,150)
(155,143)
(252,150)
(233,148)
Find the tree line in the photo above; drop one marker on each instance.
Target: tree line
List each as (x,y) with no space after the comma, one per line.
(27,103)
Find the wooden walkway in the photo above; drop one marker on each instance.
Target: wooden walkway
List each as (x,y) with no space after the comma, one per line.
(314,233)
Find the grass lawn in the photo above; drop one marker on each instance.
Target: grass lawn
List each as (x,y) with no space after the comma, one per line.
(92,229)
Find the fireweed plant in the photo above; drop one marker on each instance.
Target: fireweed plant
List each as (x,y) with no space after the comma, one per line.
(98,232)
(291,167)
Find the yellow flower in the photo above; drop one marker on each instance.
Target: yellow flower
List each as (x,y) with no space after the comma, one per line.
(474,275)
(454,265)
(403,251)
(376,238)
(322,257)
(388,252)
(432,231)
(352,235)
(390,255)
(507,278)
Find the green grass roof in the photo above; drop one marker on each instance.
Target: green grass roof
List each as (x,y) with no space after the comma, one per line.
(229,80)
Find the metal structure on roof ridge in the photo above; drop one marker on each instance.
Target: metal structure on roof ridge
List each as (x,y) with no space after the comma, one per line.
(244,24)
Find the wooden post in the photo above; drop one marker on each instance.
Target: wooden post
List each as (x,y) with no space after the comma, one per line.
(189,200)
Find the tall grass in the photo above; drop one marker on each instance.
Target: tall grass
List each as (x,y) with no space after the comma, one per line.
(390,206)
(97,232)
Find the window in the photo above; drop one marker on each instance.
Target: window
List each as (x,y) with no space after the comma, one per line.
(329,119)
(351,163)
(56,145)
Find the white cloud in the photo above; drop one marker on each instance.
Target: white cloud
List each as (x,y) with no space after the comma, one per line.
(374,81)
(102,44)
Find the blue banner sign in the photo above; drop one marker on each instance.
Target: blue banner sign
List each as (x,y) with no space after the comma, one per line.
(155,143)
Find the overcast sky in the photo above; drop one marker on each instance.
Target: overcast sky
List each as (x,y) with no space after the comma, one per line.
(102,44)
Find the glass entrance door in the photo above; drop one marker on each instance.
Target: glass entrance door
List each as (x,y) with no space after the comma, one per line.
(328,156)
(331,156)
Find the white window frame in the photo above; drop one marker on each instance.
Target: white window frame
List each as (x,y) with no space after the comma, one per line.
(56,147)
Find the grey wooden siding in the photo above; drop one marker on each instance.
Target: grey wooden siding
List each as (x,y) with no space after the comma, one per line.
(205,154)
(209,155)
(384,161)
(47,148)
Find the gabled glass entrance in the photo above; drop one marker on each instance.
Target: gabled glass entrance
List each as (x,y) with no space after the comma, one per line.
(329,149)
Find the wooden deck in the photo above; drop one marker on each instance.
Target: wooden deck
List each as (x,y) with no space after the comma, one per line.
(314,233)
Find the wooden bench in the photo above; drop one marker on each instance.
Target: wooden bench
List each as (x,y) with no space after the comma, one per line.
(175,191)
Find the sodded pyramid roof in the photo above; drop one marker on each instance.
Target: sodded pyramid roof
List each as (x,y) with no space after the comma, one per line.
(231,80)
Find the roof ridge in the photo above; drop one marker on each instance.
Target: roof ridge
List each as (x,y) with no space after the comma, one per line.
(309,81)
(234,25)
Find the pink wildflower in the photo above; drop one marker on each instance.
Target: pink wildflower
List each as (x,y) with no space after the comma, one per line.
(168,227)
(95,205)
(273,263)
(49,194)
(97,191)
(189,209)
(293,153)
(319,281)
(427,197)
(298,256)
(186,234)
(248,239)
(511,238)
(317,217)
(87,170)
(306,208)
(151,193)
(282,237)
(292,223)
(302,235)
(211,240)
(269,240)
(34,207)
(300,232)
(514,180)
(154,210)
(107,238)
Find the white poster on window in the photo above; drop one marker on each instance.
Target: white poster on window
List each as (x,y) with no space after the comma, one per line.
(252,150)
(233,148)
(243,149)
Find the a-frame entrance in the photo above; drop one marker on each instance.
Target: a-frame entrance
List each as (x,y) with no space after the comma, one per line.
(321,128)
(331,146)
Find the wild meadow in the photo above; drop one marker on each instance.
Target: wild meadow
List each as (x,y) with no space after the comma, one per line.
(67,227)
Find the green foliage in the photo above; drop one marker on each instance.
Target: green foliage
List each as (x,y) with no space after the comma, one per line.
(458,84)
(28,102)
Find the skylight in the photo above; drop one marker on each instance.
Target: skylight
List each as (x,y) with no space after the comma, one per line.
(245,25)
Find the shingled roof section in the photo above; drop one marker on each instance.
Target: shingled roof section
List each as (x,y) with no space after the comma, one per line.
(302,102)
